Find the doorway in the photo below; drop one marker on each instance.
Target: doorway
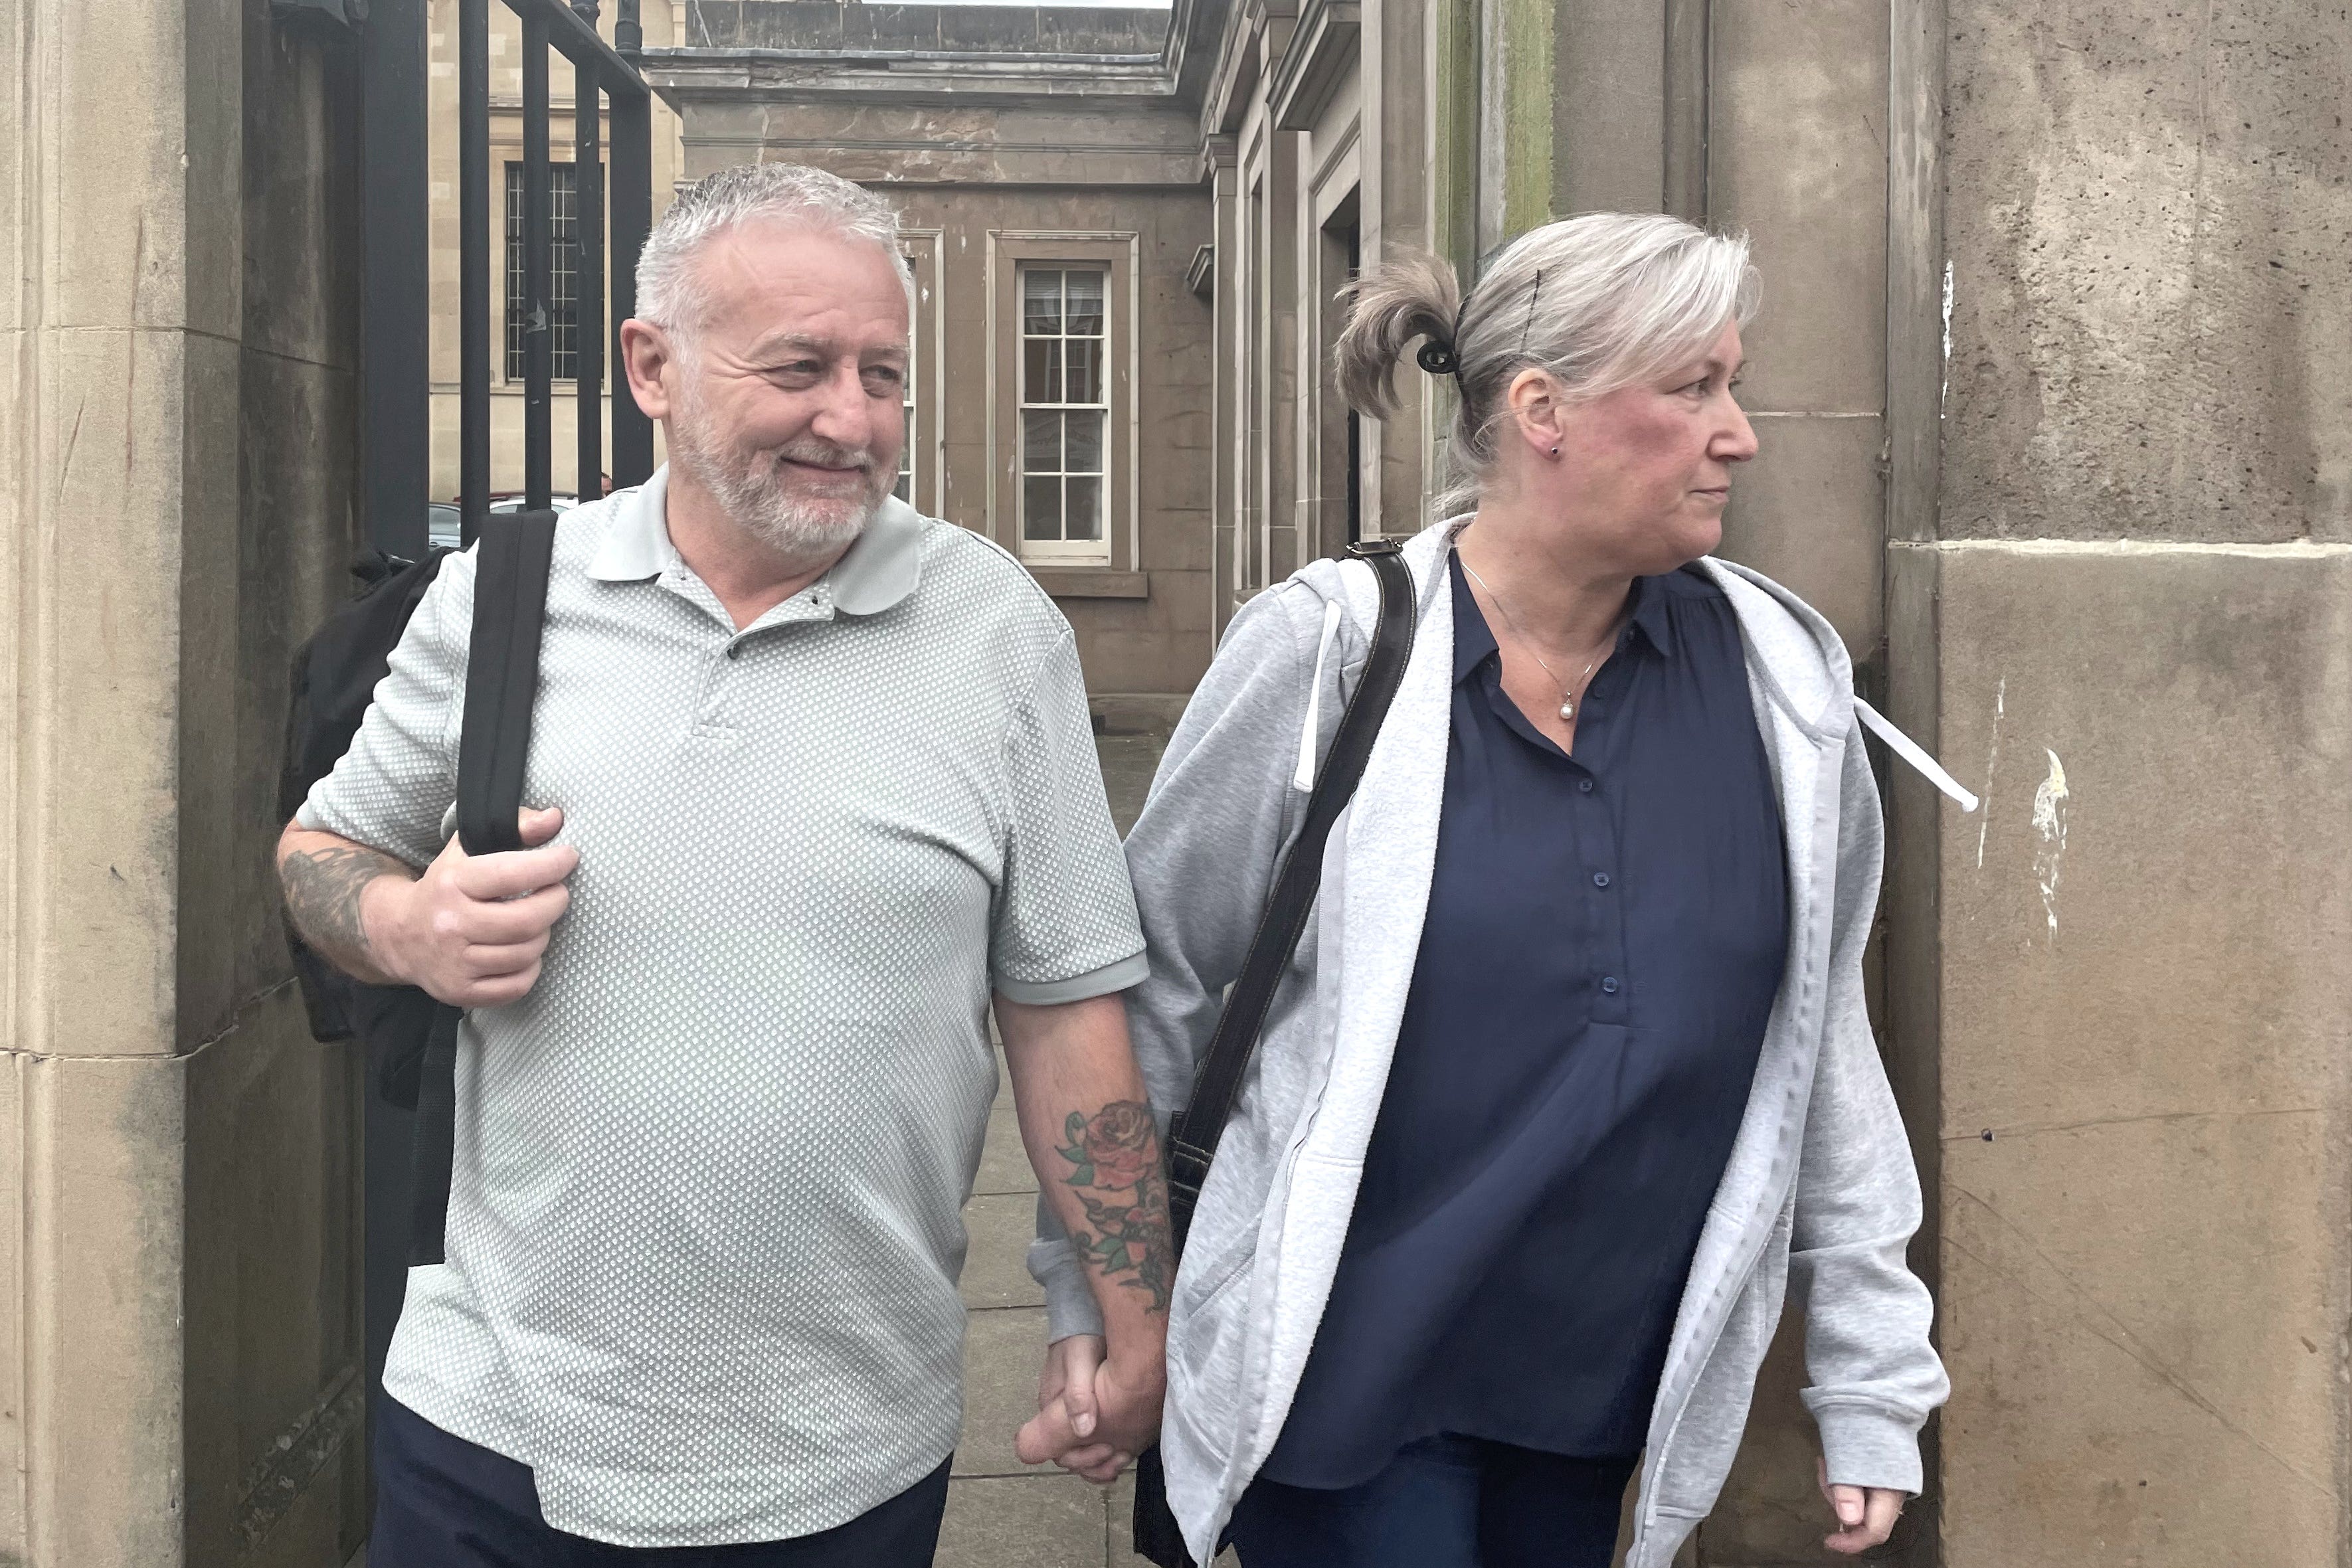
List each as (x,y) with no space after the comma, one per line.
(1340,458)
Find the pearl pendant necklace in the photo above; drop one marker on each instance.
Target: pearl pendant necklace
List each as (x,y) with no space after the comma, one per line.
(1567,696)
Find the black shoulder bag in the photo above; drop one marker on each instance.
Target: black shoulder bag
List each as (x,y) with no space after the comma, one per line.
(1193,1132)
(510,565)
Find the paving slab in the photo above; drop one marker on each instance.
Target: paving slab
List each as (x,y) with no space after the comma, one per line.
(1122,1529)
(995,1269)
(1003,1352)
(1023,1521)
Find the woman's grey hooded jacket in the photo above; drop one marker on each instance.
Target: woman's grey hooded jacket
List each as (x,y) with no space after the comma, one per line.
(1819,1183)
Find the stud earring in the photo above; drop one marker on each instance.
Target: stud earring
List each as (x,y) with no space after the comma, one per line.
(1555,452)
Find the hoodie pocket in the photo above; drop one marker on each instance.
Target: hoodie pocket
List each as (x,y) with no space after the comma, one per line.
(1698,1456)
(1205,1351)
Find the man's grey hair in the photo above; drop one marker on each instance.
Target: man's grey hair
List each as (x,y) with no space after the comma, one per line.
(1598,302)
(669,287)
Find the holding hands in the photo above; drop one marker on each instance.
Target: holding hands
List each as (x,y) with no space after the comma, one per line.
(1094,1414)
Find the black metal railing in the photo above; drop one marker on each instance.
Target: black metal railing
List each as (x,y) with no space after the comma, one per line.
(605,81)
(615,196)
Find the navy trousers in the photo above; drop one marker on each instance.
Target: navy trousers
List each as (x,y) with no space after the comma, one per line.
(1443,1502)
(443,1502)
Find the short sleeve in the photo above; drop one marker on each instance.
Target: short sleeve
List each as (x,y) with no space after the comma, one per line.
(394,785)
(1064,924)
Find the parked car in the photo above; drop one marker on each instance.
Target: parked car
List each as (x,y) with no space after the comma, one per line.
(511,501)
(443,522)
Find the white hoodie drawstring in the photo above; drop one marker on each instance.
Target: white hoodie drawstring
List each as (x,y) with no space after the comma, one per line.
(1304,778)
(1904,747)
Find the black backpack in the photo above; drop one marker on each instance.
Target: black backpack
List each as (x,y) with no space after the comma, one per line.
(335,677)
(411,1040)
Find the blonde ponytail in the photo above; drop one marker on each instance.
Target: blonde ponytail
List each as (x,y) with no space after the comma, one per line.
(1388,308)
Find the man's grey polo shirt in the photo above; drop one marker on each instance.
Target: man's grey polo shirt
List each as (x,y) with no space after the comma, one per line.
(705,1221)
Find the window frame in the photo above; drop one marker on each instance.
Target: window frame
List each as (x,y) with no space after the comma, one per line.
(925,457)
(562,191)
(1011,254)
(1029,401)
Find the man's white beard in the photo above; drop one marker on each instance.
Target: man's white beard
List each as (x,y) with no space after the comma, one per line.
(803,529)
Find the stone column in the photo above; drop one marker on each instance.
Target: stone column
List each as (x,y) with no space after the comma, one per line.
(1278,348)
(2128,625)
(1395,219)
(176,442)
(1219,157)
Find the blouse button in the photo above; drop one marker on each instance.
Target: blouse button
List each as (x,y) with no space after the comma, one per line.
(1609,984)
(1584,785)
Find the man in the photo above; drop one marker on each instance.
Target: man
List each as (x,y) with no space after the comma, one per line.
(815,778)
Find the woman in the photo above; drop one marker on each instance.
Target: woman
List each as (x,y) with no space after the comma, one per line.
(1572,1067)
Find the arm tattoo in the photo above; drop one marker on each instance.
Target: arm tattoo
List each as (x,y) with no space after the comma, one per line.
(323,894)
(1116,1160)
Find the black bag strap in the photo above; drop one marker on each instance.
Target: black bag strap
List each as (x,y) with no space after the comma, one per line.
(1193,1132)
(511,566)
(432,1140)
(502,678)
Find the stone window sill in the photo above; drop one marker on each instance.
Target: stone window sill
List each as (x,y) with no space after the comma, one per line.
(1080,582)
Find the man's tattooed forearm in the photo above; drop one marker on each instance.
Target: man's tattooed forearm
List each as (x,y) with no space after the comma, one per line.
(322,892)
(1116,1155)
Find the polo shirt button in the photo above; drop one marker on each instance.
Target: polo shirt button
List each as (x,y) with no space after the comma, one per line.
(1609,984)
(1601,879)
(734,650)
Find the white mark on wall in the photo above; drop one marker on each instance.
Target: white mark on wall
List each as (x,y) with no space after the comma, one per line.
(2050,827)
(1944,389)
(1992,766)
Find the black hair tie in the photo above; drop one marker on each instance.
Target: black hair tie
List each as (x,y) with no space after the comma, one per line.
(1438,359)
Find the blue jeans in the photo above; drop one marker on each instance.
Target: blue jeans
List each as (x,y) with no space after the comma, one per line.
(1443,1502)
(443,1502)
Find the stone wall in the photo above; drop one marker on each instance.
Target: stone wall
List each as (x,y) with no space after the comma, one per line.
(178,1232)
(2131,627)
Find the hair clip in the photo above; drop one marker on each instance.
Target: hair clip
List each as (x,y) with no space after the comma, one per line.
(1438,359)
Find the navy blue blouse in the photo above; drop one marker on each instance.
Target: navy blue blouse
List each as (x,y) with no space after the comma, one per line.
(1604,939)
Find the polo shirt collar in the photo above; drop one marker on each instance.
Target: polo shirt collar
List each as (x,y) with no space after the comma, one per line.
(636,540)
(1473,640)
(877,570)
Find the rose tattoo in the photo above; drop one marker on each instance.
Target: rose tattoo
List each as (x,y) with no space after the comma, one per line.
(1117,1154)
